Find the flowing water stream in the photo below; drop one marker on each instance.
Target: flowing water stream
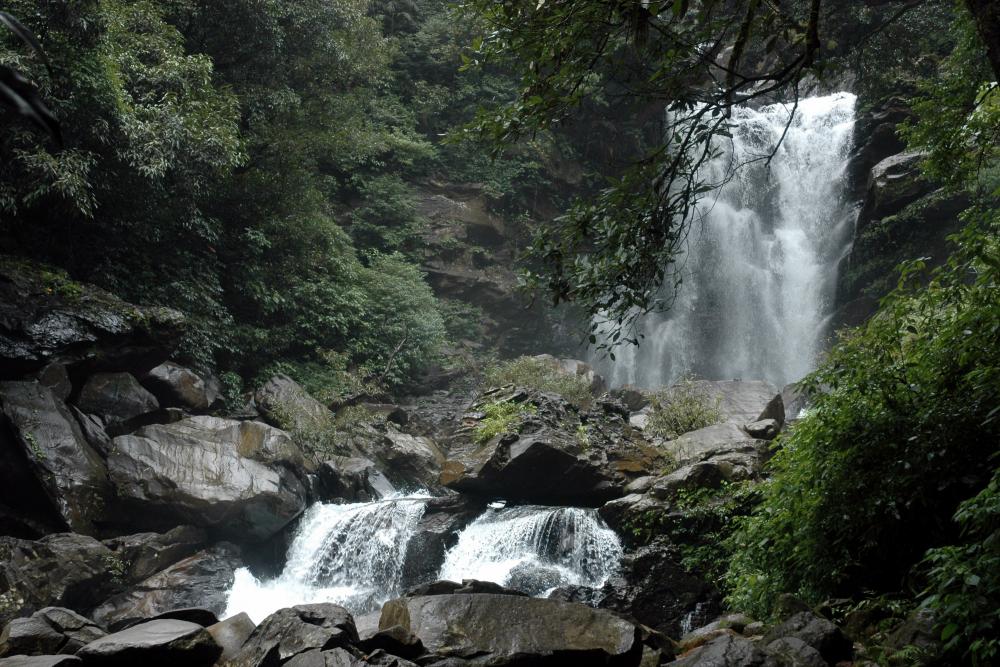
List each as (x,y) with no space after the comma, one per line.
(354,555)
(760,269)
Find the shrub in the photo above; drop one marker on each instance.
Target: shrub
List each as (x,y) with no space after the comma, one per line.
(902,434)
(682,408)
(501,416)
(540,373)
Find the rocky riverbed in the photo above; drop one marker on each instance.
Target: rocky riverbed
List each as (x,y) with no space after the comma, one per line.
(131,495)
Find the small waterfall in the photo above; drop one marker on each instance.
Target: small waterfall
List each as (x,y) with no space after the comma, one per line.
(350,555)
(535,549)
(760,269)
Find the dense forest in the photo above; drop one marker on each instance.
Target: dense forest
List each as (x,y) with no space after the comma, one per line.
(270,169)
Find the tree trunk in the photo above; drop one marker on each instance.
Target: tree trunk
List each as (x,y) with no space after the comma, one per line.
(987,16)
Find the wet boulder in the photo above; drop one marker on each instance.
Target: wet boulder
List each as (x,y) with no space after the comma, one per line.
(214,473)
(45,317)
(506,629)
(116,397)
(351,478)
(49,631)
(199,581)
(726,443)
(726,650)
(148,553)
(40,661)
(64,569)
(704,475)
(409,461)
(48,470)
(593,455)
(764,429)
(176,386)
(162,643)
(436,532)
(290,632)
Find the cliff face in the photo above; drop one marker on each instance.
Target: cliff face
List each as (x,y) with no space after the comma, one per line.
(901,215)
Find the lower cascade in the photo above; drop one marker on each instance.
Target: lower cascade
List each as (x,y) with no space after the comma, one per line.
(354,555)
(535,549)
(350,555)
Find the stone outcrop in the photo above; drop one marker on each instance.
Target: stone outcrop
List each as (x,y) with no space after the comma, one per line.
(45,317)
(49,631)
(290,632)
(219,474)
(593,455)
(48,470)
(116,397)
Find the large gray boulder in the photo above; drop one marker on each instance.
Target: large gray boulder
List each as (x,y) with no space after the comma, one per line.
(351,478)
(740,401)
(45,317)
(64,569)
(201,580)
(726,443)
(41,661)
(550,454)
(49,631)
(290,632)
(48,471)
(161,643)
(409,461)
(817,632)
(221,474)
(507,629)
(231,634)
(725,650)
(116,397)
(176,386)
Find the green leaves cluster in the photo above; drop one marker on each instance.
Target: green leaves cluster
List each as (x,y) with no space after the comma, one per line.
(501,417)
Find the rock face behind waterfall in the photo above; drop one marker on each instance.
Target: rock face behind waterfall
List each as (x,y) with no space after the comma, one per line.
(555,453)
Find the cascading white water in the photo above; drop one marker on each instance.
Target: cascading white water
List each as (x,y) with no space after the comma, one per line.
(760,269)
(350,555)
(535,549)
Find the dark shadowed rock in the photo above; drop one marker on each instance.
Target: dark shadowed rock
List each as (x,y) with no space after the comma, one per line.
(176,386)
(818,633)
(409,461)
(56,377)
(202,580)
(634,398)
(437,532)
(164,643)
(395,640)
(919,629)
(208,472)
(49,631)
(506,629)
(726,650)
(48,471)
(231,634)
(467,587)
(46,318)
(64,569)
(775,410)
(116,397)
(148,553)
(655,589)
(351,478)
(289,632)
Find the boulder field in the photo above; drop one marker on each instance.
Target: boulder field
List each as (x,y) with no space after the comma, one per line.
(131,491)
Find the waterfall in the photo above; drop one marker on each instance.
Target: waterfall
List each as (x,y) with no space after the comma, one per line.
(355,555)
(535,549)
(760,268)
(350,555)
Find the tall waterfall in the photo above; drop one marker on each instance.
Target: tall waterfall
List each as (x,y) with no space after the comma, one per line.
(534,549)
(350,555)
(760,269)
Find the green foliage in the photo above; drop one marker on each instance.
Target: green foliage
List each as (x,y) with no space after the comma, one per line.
(965,581)
(682,408)
(501,417)
(540,373)
(904,422)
